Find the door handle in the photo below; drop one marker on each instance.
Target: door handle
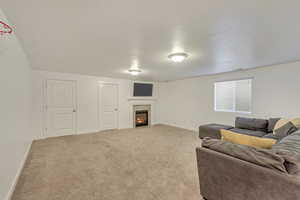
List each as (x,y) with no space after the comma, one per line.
(74,110)
(116,109)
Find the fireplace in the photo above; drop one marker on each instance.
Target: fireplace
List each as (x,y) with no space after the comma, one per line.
(142,115)
(141,118)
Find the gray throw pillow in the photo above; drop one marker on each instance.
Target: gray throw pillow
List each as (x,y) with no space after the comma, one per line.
(285,130)
(262,157)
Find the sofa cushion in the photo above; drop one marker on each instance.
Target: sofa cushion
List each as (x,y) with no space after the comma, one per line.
(262,157)
(271,136)
(238,138)
(290,143)
(271,124)
(249,132)
(251,124)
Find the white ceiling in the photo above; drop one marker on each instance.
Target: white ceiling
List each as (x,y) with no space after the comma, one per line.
(104,37)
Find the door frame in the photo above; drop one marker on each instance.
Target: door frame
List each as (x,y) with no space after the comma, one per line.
(45,101)
(100,83)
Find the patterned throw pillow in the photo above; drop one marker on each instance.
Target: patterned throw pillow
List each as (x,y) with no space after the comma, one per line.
(285,127)
(296,122)
(285,130)
(281,123)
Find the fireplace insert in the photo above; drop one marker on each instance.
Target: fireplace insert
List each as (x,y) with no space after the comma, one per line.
(141,118)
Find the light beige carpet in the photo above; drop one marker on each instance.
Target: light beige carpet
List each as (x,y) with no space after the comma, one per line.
(157,163)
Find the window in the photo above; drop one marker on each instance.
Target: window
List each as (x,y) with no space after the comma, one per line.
(233,96)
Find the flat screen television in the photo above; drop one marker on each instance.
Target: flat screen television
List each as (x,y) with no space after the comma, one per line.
(142,90)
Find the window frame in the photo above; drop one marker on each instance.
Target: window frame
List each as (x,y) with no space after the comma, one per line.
(234,99)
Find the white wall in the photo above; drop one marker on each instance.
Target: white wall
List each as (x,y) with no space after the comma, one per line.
(15,107)
(87,100)
(189,103)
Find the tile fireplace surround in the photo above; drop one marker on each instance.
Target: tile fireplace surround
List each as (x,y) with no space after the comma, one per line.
(141,108)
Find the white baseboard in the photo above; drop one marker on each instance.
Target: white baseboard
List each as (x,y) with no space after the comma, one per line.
(15,181)
(179,126)
(87,132)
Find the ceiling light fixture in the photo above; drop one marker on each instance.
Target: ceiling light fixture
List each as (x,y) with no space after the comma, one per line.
(134,71)
(178,57)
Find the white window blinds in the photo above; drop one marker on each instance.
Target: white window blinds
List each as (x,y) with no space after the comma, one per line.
(233,96)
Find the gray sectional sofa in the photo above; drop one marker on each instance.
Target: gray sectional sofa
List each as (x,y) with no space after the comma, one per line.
(230,171)
(248,126)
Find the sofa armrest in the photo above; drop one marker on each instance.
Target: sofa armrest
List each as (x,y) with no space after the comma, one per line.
(223,177)
(212,130)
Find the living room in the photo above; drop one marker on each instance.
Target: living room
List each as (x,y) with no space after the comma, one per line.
(106,100)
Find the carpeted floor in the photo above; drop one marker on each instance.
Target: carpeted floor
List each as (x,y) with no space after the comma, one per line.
(157,163)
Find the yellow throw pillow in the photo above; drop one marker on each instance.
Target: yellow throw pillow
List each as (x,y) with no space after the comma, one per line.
(253,141)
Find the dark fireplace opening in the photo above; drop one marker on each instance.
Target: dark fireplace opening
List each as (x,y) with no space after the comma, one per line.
(141,118)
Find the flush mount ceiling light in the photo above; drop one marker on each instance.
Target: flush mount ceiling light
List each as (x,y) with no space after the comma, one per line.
(134,71)
(178,57)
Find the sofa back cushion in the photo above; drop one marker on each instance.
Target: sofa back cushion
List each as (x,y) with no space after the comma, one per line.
(249,132)
(262,157)
(251,124)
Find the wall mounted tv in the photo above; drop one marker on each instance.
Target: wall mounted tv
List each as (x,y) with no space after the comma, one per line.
(142,90)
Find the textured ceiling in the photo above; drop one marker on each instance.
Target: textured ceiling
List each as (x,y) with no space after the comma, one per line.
(105,37)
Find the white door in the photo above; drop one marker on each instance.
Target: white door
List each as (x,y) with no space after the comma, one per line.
(60,108)
(109,110)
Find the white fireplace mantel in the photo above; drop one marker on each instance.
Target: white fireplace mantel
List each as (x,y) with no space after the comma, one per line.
(134,101)
(142,99)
